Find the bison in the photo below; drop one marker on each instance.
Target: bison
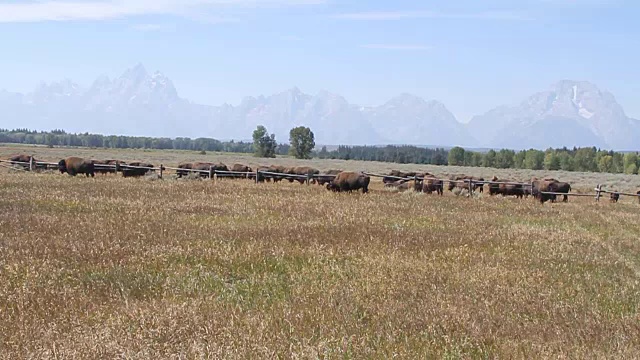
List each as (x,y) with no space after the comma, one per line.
(301,171)
(400,185)
(350,181)
(75,165)
(430,185)
(540,188)
(395,175)
(137,169)
(23,161)
(108,166)
(614,197)
(183,169)
(462,182)
(505,188)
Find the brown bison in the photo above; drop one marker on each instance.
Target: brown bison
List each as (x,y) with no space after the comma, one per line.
(431,184)
(540,188)
(75,165)
(614,197)
(202,168)
(462,182)
(505,188)
(137,169)
(323,179)
(184,169)
(301,171)
(23,161)
(350,181)
(241,168)
(273,169)
(395,175)
(400,185)
(333,172)
(108,166)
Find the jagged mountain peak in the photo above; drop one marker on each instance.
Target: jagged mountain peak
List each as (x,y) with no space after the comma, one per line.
(578,107)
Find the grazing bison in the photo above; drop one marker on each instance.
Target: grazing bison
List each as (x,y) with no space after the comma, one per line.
(462,182)
(109,166)
(138,169)
(505,188)
(540,187)
(400,185)
(395,175)
(202,168)
(323,179)
(75,165)
(561,187)
(300,171)
(276,169)
(23,161)
(184,169)
(241,168)
(350,181)
(615,196)
(431,184)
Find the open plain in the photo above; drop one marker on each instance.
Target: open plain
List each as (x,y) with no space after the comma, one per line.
(110,267)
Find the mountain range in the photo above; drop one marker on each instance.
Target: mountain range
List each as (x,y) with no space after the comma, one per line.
(571,113)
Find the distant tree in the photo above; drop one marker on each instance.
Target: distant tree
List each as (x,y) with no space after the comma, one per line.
(489,159)
(630,159)
(551,160)
(534,159)
(264,145)
(302,142)
(323,153)
(605,164)
(456,156)
(504,159)
(585,159)
(476,159)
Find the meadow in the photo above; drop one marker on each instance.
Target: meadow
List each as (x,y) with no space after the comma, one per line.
(145,268)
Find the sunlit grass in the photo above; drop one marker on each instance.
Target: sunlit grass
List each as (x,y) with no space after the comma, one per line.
(113,267)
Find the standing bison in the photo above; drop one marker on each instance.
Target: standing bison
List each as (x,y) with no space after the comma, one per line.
(75,165)
(614,197)
(137,169)
(350,181)
(107,166)
(431,184)
(462,183)
(541,188)
(505,188)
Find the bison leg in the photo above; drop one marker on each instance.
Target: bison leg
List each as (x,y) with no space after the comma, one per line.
(565,198)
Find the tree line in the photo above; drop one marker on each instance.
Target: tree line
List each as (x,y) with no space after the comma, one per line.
(588,159)
(302,143)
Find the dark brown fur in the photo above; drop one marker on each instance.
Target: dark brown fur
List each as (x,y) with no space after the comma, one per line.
(350,181)
(136,172)
(75,165)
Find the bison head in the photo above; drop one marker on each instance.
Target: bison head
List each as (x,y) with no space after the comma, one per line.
(62,166)
(333,187)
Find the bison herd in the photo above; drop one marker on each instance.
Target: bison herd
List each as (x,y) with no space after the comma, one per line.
(544,190)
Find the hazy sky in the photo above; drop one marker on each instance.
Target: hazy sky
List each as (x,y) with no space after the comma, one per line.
(470,54)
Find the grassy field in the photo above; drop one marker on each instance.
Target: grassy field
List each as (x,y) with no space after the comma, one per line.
(581,181)
(134,268)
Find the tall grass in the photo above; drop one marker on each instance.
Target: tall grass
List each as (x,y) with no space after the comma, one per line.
(112,267)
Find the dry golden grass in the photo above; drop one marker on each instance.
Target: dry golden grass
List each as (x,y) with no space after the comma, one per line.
(580,181)
(112,267)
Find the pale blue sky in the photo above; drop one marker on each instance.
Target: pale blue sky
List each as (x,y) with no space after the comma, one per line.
(470,54)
